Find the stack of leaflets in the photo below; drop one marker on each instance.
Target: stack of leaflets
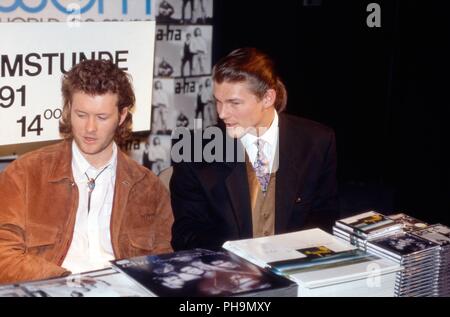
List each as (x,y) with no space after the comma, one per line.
(199,272)
(101,283)
(321,264)
(440,235)
(418,257)
(362,227)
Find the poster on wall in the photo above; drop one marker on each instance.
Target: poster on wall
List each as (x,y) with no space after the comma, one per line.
(183,51)
(76,11)
(194,100)
(163,112)
(151,151)
(177,102)
(35,55)
(184,11)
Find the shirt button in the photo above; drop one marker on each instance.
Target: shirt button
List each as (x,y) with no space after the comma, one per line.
(266,216)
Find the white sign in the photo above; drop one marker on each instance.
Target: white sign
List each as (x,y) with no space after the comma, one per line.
(75,10)
(33,57)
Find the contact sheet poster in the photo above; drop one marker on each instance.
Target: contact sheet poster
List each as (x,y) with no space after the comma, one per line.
(194,99)
(184,11)
(151,151)
(182,89)
(183,51)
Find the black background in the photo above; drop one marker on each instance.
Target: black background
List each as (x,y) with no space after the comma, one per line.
(384,90)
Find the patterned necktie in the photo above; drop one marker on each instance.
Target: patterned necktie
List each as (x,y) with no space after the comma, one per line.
(261,166)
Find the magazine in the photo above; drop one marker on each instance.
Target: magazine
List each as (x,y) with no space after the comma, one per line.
(199,272)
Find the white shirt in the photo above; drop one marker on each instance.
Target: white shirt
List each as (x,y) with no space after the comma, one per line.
(270,146)
(206,95)
(91,246)
(198,45)
(157,152)
(160,97)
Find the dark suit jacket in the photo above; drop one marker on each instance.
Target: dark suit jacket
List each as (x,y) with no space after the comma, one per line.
(211,201)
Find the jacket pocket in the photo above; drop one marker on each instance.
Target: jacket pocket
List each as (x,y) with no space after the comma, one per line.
(301,201)
(300,212)
(142,240)
(40,238)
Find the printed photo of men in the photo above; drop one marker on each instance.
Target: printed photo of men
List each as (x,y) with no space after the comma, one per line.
(184,11)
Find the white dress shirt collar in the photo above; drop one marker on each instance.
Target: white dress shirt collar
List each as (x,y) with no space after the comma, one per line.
(82,165)
(271,141)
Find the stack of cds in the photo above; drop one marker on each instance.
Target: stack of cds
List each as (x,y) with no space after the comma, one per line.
(417,256)
(353,239)
(366,226)
(440,235)
(422,250)
(408,223)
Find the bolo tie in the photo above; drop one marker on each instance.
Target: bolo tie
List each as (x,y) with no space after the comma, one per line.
(91,185)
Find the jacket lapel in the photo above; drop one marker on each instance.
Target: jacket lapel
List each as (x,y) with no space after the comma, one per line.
(288,177)
(125,180)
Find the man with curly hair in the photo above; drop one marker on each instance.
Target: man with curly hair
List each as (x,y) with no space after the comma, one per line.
(75,205)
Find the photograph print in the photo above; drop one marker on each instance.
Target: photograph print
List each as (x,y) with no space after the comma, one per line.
(184,11)
(184,50)
(194,99)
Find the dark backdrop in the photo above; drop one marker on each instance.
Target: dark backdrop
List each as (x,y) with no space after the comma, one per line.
(383,90)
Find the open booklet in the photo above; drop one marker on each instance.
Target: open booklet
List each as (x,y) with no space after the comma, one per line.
(311,258)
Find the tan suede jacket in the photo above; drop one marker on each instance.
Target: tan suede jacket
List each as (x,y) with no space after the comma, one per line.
(38,205)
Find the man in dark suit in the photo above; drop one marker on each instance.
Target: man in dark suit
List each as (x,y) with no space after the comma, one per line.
(286,180)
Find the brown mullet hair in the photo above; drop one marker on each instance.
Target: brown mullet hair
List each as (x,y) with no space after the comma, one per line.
(254,67)
(98,77)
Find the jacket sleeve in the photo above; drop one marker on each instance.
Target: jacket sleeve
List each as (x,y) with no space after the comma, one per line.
(325,210)
(15,263)
(193,224)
